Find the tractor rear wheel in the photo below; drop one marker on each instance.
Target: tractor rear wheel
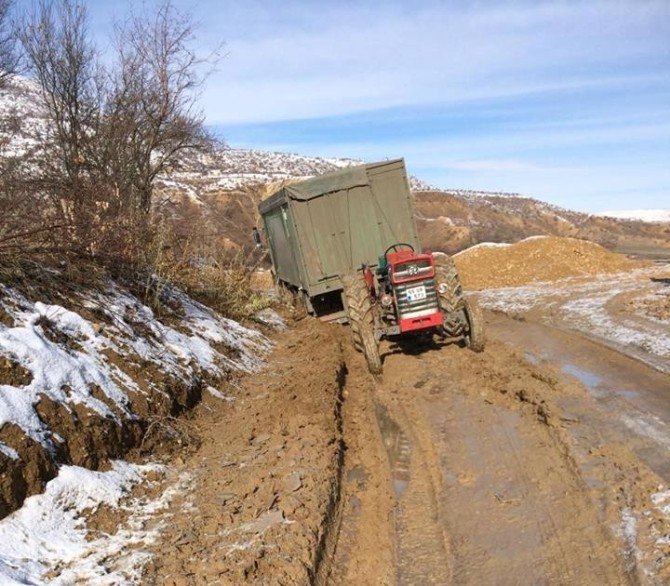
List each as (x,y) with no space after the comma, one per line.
(475,339)
(361,320)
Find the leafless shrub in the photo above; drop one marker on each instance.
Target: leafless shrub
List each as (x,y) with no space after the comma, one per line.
(65,63)
(153,105)
(112,130)
(9,56)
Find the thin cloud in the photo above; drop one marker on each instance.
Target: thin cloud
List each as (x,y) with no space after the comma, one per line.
(361,58)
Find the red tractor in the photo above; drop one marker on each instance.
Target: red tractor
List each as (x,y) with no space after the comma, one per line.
(409,293)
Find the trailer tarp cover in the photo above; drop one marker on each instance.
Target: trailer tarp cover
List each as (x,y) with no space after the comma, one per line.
(338,181)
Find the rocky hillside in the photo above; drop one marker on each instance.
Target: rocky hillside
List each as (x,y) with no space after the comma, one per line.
(453,220)
(221,189)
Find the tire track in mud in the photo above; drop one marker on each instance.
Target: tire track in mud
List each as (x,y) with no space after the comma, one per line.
(485,490)
(420,540)
(491,468)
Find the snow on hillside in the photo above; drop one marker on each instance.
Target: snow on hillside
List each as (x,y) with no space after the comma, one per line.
(199,174)
(21,117)
(66,355)
(474,193)
(653,215)
(49,541)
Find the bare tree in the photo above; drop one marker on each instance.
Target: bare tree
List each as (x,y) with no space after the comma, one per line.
(63,59)
(112,130)
(154,100)
(9,57)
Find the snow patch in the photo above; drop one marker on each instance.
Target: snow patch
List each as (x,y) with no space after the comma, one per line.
(9,452)
(271,318)
(583,304)
(67,354)
(48,541)
(650,215)
(628,530)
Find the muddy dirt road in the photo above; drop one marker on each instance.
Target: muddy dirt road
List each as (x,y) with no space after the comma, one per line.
(542,460)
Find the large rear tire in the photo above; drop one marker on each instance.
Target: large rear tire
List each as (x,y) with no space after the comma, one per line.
(475,339)
(361,320)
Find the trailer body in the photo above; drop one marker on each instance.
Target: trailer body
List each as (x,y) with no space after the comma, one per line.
(321,229)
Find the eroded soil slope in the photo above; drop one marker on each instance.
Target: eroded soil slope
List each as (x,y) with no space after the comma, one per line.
(262,501)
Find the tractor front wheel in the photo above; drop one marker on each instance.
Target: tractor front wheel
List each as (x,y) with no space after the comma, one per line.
(449,290)
(475,338)
(361,320)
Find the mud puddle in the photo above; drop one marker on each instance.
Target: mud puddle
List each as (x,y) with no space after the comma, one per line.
(398,449)
(634,398)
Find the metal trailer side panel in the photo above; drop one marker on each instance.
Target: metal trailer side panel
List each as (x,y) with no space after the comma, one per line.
(281,238)
(394,204)
(341,230)
(323,228)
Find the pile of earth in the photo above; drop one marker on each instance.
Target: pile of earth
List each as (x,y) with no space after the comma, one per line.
(538,258)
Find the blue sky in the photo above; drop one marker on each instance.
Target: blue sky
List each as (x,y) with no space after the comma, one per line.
(567,101)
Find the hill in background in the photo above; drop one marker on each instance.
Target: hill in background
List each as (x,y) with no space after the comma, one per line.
(220,190)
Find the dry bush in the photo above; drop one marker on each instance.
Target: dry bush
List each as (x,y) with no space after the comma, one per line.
(225,284)
(9,56)
(193,252)
(113,124)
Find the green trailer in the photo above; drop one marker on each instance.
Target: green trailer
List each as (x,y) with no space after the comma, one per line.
(321,229)
(347,244)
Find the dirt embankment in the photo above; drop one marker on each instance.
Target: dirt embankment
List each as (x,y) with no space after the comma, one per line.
(541,258)
(450,222)
(264,486)
(88,373)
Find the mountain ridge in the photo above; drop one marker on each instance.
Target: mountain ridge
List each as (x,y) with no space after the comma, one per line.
(227,183)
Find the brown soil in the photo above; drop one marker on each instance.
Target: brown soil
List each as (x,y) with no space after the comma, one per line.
(451,468)
(84,437)
(656,306)
(458,468)
(536,259)
(12,373)
(266,480)
(494,479)
(486,490)
(25,476)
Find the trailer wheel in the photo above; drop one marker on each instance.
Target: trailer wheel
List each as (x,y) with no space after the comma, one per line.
(361,320)
(449,290)
(475,339)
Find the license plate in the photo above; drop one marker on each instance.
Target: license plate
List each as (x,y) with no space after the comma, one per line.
(416,293)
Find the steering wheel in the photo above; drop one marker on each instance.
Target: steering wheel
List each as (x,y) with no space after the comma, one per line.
(395,247)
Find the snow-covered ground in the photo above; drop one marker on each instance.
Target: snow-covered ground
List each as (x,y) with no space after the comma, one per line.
(606,307)
(51,541)
(649,215)
(67,354)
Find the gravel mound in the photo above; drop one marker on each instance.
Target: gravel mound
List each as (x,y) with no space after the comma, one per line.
(539,258)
